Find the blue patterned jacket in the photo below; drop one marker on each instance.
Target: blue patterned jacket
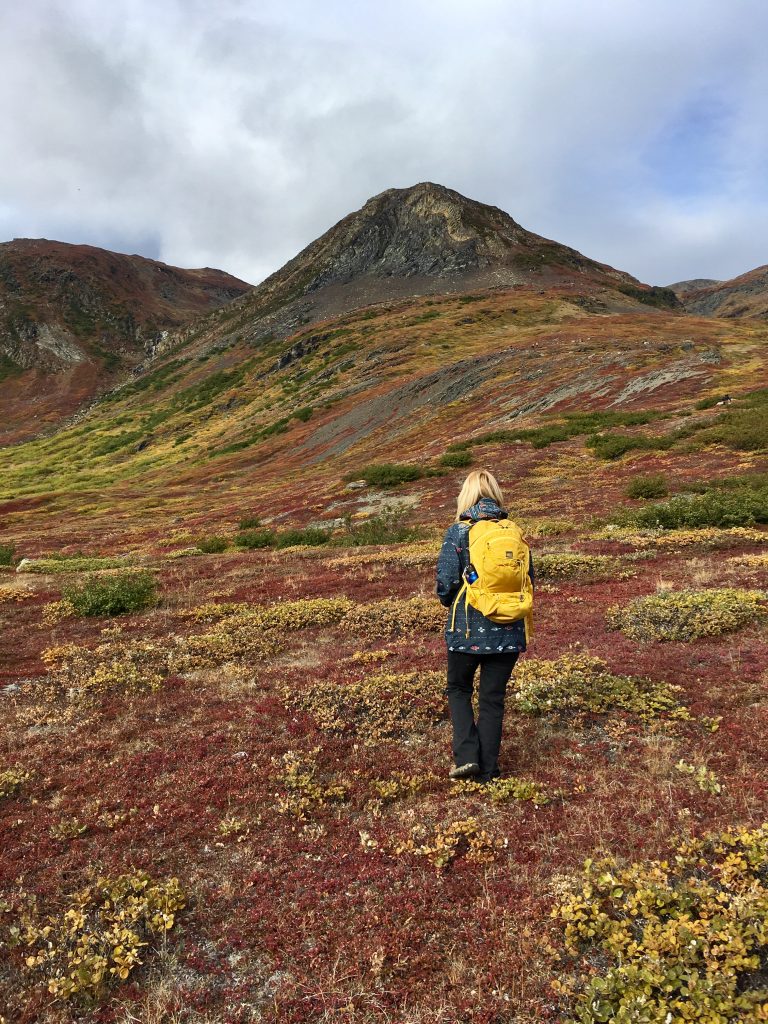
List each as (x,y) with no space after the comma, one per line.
(485,637)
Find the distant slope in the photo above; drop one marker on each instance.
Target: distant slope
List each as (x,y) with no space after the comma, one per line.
(746,295)
(73,318)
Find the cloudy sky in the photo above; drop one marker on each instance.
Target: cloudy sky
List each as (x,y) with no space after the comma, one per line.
(231,134)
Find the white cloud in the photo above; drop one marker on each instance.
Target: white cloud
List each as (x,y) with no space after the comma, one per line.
(231,134)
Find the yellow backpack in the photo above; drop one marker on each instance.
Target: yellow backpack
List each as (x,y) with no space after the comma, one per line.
(503,590)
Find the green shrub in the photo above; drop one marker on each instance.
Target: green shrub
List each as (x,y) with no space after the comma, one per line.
(652,486)
(112,595)
(687,614)
(681,939)
(309,537)
(252,539)
(304,414)
(723,508)
(456,459)
(386,528)
(389,474)
(212,545)
(7,554)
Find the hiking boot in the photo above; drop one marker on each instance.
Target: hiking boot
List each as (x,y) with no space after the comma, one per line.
(463,771)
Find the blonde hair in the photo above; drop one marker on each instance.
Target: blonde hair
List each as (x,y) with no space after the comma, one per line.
(479,484)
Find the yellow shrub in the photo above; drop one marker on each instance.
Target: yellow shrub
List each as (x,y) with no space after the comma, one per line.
(581,683)
(84,674)
(57,611)
(394,617)
(400,785)
(687,614)
(710,536)
(502,790)
(97,938)
(11,781)
(380,706)
(256,631)
(459,838)
(673,940)
(306,792)
(582,568)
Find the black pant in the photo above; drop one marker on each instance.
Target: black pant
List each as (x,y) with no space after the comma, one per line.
(479,742)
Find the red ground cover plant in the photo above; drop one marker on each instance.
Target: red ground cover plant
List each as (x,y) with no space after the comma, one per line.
(314,889)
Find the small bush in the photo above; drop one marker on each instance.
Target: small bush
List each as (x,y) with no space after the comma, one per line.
(312,536)
(256,631)
(306,793)
(501,791)
(687,614)
(459,838)
(7,554)
(584,568)
(85,674)
(579,683)
(252,539)
(99,936)
(383,705)
(11,781)
(681,939)
(212,545)
(456,459)
(304,414)
(395,617)
(389,474)
(653,486)
(112,595)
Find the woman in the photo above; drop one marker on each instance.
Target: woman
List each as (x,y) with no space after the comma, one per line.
(478,641)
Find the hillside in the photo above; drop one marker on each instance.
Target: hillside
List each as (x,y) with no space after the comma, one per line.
(743,296)
(224,726)
(74,319)
(695,284)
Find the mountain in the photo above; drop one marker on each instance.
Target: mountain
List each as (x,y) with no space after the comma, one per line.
(75,318)
(681,288)
(423,240)
(746,295)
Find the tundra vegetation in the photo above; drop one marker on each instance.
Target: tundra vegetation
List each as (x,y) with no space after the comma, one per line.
(225,739)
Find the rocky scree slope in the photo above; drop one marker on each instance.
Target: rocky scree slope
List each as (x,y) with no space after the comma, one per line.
(73,318)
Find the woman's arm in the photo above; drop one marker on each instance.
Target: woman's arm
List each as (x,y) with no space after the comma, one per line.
(449,567)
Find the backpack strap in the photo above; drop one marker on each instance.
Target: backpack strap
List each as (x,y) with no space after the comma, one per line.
(464,589)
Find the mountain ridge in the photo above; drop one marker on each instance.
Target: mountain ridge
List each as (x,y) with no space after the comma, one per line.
(74,318)
(743,296)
